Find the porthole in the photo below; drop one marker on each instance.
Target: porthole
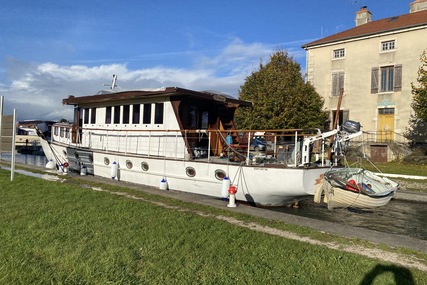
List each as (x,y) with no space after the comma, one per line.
(106,161)
(220,174)
(76,155)
(191,172)
(129,164)
(91,158)
(144,166)
(64,152)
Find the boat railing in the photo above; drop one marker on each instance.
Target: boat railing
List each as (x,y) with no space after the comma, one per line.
(242,146)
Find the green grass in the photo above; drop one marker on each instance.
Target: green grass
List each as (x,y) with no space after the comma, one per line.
(399,168)
(419,185)
(61,233)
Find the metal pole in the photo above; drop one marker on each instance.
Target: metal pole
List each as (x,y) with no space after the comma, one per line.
(1,122)
(12,162)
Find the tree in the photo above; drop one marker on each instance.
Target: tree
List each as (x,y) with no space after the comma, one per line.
(281,99)
(417,131)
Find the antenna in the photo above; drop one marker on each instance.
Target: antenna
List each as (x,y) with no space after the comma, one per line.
(113,83)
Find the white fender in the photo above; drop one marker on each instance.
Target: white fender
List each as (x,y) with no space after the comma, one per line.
(224,187)
(114,169)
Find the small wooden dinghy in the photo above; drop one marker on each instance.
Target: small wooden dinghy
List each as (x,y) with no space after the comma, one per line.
(354,188)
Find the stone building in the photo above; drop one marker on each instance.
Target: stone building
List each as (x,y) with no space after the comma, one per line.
(374,64)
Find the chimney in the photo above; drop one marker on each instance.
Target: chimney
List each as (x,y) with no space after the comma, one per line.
(363,16)
(418,5)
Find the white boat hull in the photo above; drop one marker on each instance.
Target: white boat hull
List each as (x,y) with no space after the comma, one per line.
(366,190)
(266,186)
(336,197)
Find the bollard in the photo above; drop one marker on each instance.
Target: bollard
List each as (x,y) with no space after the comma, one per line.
(232,200)
(66,165)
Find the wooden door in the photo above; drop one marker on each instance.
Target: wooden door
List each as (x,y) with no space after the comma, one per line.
(385,124)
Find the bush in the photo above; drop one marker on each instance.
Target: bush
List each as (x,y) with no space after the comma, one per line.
(418,156)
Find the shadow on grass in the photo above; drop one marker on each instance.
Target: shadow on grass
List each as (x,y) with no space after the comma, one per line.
(402,275)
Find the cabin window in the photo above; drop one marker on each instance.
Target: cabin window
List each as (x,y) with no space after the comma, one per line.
(86,116)
(147,114)
(62,132)
(126,112)
(190,171)
(116,114)
(55,131)
(136,113)
(93,116)
(158,114)
(205,120)
(108,115)
(145,166)
(192,117)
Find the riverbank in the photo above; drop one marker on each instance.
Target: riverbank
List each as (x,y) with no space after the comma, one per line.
(76,230)
(392,240)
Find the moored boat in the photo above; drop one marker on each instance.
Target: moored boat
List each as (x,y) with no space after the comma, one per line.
(355,188)
(186,140)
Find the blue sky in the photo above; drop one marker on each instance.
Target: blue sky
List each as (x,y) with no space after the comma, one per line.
(50,49)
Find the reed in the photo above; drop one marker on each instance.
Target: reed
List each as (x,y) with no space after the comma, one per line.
(61,233)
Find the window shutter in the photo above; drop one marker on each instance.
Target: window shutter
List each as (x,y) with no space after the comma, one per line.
(341,82)
(374,80)
(397,78)
(335,84)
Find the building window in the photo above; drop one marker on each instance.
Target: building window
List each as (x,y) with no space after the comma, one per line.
(116,114)
(147,114)
(386,79)
(108,115)
(126,112)
(158,114)
(386,111)
(337,83)
(342,117)
(387,76)
(339,53)
(388,45)
(136,113)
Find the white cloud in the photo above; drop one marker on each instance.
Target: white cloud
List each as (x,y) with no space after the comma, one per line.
(37,90)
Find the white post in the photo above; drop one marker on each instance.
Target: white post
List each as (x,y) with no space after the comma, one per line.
(249,147)
(209,146)
(12,162)
(1,121)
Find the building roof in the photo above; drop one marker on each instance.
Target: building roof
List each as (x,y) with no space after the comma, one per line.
(385,25)
(112,96)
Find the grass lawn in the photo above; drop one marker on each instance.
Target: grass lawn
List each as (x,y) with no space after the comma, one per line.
(61,233)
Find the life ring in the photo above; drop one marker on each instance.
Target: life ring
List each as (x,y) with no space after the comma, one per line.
(66,164)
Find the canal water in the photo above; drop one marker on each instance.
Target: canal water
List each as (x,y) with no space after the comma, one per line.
(398,217)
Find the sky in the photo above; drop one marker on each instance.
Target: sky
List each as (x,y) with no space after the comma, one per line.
(50,49)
